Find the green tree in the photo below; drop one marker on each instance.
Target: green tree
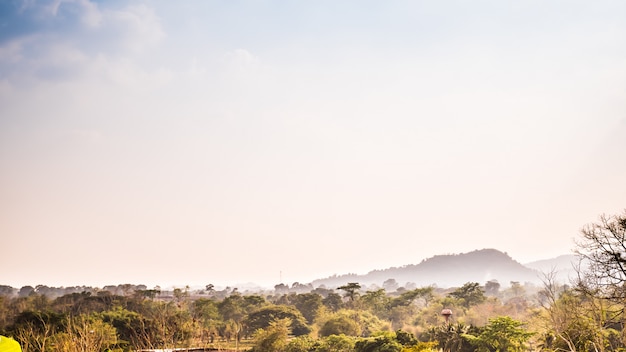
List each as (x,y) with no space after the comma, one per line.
(252,302)
(492,288)
(405,338)
(234,309)
(502,334)
(171,326)
(422,347)
(205,312)
(469,294)
(133,328)
(377,302)
(333,302)
(264,317)
(85,333)
(352,323)
(309,304)
(384,342)
(336,343)
(84,303)
(390,285)
(351,291)
(408,297)
(340,325)
(34,329)
(181,295)
(452,337)
(304,343)
(274,338)
(577,321)
(26,291)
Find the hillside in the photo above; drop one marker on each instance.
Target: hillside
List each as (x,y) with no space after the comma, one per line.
(564,266)
(450,270)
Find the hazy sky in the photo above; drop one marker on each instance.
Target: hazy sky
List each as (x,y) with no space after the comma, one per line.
(195,142)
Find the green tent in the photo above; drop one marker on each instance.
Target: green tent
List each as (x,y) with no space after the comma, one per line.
(7,344)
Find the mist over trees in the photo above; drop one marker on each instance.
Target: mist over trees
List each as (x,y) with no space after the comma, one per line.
(586,314)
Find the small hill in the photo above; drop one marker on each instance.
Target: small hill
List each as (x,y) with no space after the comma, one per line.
(450,270)
(564,267)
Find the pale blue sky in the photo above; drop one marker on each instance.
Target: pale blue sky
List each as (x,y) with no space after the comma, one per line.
(153,142)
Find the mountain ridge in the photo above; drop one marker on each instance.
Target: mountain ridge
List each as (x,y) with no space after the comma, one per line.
(449,270)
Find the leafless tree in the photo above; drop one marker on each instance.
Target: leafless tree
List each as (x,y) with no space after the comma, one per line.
(35,335)
(602,250)
(558,314)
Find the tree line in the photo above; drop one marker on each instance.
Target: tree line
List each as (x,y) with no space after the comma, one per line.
(586,314)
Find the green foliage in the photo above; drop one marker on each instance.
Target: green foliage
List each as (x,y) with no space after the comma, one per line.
(377,302)
(400,309)
(405,338)
(492,288)
(263,317)
(380,343)
(408,297)
(85,333)
(205,312)
(340,325)
(132,328)
(309,304)
(502,334)
(274,338)
(39,321)
(351,290)
(232,308)
(453,337)
(34,330)
(336,343)
(302,343)
(386,341)
(333,302)
(469,294)
(252,302)
(205,309)
(421,347)
(352,323)
(579,319)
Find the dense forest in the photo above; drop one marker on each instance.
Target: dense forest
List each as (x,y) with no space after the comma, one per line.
(586,314)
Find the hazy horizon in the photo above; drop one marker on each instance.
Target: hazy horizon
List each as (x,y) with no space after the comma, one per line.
(159,143)
(242,286)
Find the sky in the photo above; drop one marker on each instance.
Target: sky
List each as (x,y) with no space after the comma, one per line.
(273,141)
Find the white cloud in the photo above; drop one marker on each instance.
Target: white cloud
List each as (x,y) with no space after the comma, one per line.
(11,52)
(85,10)
(239,63)
(129,74)
(137,26)
(53,8)
(241,71)
(5,88)
(91,17)
(240,58)
(195,69)
(113,44)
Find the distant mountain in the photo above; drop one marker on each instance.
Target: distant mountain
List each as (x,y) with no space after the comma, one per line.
(450,270)
(564,267)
